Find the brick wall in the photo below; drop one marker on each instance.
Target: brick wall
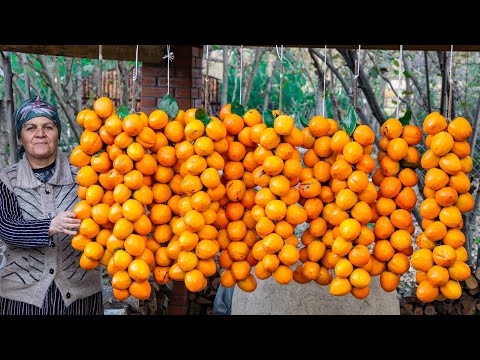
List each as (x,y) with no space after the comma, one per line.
(178,302)
(186,89)
(185,80)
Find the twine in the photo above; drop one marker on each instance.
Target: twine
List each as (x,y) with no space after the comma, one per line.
(399,81)
(280,96)
(450,80)
(100,75)
(170,56)
(241,73)
(355,82)
(206,87)
(324,79)
(134,82)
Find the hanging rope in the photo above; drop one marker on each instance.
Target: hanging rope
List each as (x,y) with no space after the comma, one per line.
(355,82)
(241,73)
(206,86)
(236,77)
(134,82)
(324,79)
(399,80)
(280,91)
(170,56)
(100,74)
(450,81)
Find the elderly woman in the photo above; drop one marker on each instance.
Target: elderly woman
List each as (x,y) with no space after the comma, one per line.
(41,274)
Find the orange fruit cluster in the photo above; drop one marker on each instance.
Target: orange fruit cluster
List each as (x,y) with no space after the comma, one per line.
(114,177)
(340,209)
(395,178)
(277,209)
(440,261)
(237,233)
(179,198)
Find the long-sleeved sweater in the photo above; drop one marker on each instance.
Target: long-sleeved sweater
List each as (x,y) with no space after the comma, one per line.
(14,229)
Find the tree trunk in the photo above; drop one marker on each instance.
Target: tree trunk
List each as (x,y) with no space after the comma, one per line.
(78,85)
(427,82)
(224,99)
(350,56)
(51,76)
(3,137)
(235,79)
(319,97)
(442,59)
(248,88)
(268,89)
(26,77)
(8,88)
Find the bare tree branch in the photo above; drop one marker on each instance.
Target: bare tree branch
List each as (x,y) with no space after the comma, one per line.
(224,99)
(248,88)
(321,75)
(350,56)
(7,85)
(48,75)
(26,77)
(442,59)
(414,79)
(266,97)
(339,76)
(427,82)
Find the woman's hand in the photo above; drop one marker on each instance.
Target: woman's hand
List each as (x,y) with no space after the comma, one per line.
(65,222)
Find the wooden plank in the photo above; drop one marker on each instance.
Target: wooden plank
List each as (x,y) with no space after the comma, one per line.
(146,53)
(153,54)
(395,47)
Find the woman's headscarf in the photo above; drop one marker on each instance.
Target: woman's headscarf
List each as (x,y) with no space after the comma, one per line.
(32,108)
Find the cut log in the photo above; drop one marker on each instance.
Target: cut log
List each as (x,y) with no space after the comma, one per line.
(411,300)
(477,274)
(468,305)
(473,292)
(477,306)
(407,307)
(443,307)
(455,309)
(471,282)
(429,309)
(406,312)
(418,311)
(441,297)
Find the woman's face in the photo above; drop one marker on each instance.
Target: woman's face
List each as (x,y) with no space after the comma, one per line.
(39,137)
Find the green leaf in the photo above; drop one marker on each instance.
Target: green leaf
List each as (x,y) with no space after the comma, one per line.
(373,72)
(406,74)
(350,121)
(170,106)
(304,121)
(405,119)
(406,164)
(122,112)
(407,92)
(268,118)
(238,109)
(395,62)
(201,114)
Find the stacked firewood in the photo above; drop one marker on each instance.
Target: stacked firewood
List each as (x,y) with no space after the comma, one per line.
(467,304)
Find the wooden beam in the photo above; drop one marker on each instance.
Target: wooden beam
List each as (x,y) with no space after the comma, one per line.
(384,47)
(153,54)
(146,53)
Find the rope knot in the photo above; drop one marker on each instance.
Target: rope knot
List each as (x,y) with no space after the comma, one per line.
(170,56)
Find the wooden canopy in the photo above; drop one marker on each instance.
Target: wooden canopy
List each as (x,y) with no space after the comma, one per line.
(154,53)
